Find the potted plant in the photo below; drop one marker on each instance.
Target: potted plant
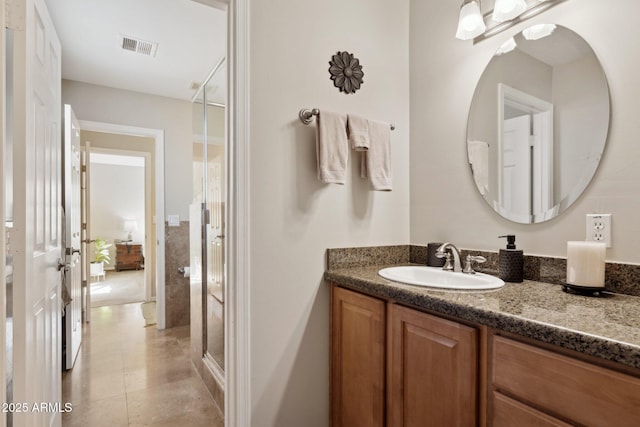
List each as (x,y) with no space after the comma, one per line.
(101,257)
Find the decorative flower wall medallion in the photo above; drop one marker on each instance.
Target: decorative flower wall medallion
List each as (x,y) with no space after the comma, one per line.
(346,72)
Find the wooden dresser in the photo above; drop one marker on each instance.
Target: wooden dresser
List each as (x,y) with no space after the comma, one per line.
(128,256)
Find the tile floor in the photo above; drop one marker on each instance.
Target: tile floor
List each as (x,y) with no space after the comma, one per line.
(129,375)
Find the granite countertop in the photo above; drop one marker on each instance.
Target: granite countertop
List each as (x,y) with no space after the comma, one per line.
(607,327)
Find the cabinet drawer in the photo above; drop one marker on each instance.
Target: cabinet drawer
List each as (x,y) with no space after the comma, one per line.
(128,249)
(508,413)
(566,387)
(132,251)
(132,254)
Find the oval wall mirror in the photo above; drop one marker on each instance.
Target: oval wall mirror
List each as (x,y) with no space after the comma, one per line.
(538,123)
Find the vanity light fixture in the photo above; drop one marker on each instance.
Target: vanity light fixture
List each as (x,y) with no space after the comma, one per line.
(471,23)
(504,10)
(476,24)
(537,32)
(506,47)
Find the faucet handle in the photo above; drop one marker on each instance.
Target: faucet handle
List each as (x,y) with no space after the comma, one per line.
(468,266)
(448,265)
(442,253)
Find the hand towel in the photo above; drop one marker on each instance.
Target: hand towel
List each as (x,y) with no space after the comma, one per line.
(479,161)
(376,161)
(332,147)
(358,132)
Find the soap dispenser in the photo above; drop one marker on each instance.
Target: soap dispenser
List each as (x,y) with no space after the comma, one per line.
(511,261)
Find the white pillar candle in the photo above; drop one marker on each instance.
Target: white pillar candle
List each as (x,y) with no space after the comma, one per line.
(585,263)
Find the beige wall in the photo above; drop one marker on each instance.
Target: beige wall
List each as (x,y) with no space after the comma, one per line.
(294,217)
(444,73)
(111,206)
(121,107)
(576,95)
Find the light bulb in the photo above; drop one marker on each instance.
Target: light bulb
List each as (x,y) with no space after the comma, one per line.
(506,47)
(504,10)
(539,31)
(471,22)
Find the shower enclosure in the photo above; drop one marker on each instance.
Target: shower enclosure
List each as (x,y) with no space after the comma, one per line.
(207,224)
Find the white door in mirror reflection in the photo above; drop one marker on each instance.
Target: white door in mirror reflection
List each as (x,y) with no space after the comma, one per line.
(525,154)
(516,165)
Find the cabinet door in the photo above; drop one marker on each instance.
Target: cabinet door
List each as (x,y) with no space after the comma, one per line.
(357,359)
(432,376)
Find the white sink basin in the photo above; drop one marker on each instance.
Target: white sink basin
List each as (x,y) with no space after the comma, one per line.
(436,277)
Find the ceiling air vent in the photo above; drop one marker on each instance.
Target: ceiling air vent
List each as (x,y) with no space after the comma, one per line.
(139,46)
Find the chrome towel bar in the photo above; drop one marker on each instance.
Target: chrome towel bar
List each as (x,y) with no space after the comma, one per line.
(307,116)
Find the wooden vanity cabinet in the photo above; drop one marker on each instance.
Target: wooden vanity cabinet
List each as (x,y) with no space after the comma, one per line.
(395,366)
(357,359)
(532,386)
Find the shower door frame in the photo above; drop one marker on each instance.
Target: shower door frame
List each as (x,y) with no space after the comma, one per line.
(211,231)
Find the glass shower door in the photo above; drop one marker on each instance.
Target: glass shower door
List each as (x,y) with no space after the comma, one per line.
(210,193)
(215,255)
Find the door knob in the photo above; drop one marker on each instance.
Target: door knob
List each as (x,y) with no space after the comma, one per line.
(62,265)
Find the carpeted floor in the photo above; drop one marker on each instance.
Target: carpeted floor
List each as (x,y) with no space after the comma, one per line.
(119,287)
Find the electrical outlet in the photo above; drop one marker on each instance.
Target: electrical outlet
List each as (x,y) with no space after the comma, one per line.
(599,228)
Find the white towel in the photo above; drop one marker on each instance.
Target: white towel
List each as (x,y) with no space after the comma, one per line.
(376,161)
(479,161)
(332,147)
(358,132)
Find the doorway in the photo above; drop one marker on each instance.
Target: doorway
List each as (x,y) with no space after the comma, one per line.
(108,138)
(120,205)
(159,150)
(525,155)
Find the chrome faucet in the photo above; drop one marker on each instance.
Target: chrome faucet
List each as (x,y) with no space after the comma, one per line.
(445,251)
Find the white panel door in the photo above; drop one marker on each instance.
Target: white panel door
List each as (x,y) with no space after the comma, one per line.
(516,166)
(36,238)
(542,162)
(72,175)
